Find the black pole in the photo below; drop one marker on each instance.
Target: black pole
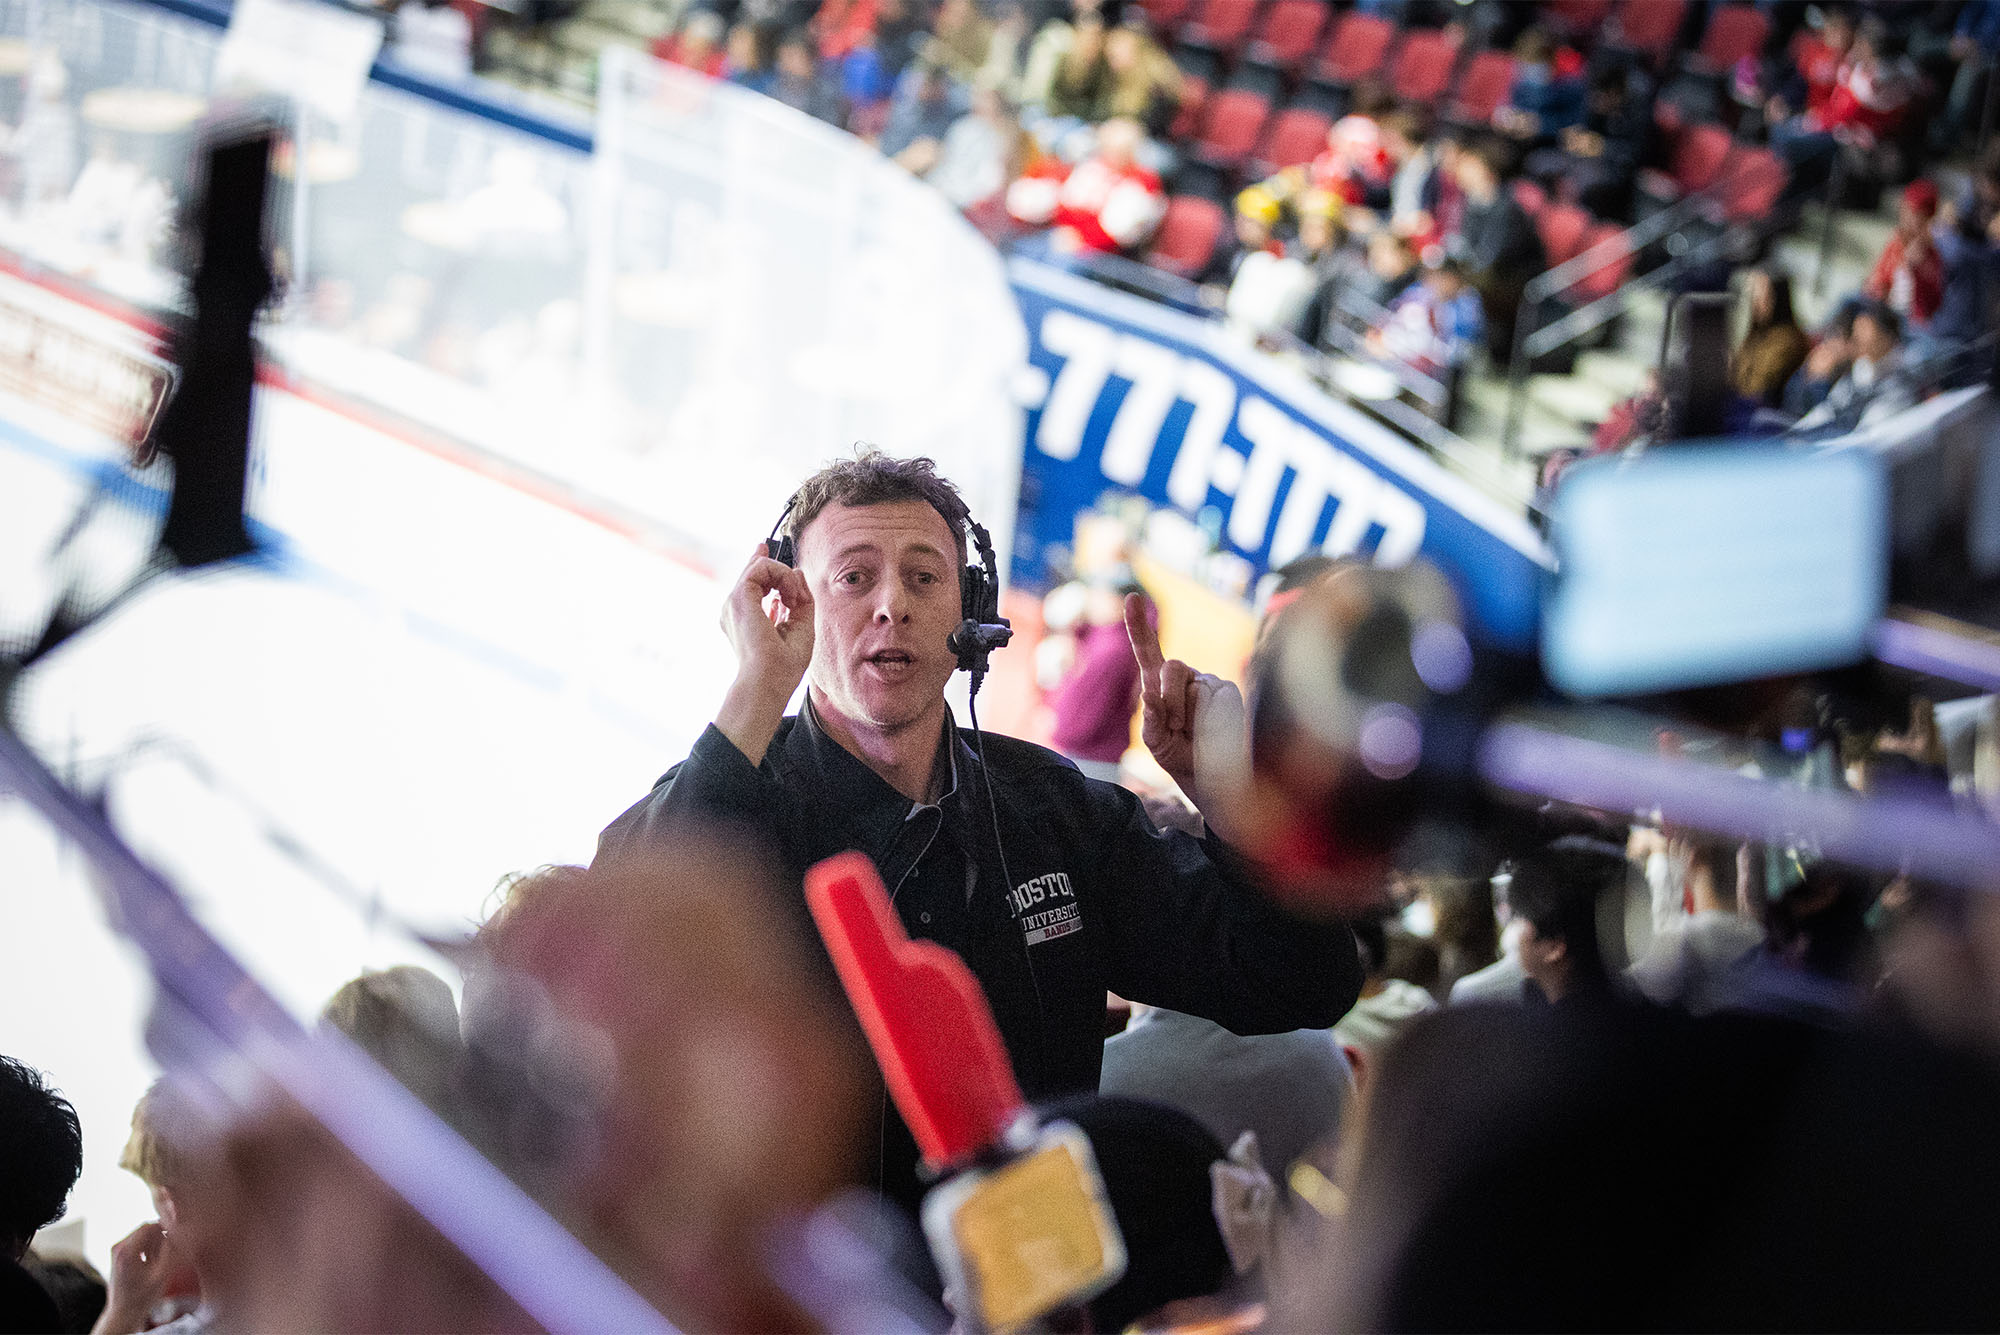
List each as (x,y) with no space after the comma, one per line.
(205,430)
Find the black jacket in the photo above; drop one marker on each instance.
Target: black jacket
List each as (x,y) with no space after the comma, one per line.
(1101,899)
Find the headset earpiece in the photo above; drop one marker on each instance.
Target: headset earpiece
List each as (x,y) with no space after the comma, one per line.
(782,549)
(982,629)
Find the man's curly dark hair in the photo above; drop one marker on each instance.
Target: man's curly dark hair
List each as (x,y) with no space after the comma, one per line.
(41,1155)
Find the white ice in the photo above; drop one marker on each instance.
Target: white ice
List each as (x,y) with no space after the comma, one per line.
(448,678)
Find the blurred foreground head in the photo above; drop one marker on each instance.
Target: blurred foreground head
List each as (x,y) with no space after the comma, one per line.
(1633,1167)
(406,1020)
(731,1086)
(647,1052)
(41,1155)
(1183,1205)
(1354,724)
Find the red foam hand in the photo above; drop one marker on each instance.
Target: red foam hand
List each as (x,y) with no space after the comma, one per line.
(923,1012)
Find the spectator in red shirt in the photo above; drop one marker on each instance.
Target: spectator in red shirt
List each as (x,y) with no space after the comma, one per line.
(841,25)
(697,45)
(1105,204)
(1356,165)
(1817,58)
(1909,275)
(1869,100)
(1872,94)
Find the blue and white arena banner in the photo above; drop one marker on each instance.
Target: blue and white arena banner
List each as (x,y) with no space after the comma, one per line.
(1126,398)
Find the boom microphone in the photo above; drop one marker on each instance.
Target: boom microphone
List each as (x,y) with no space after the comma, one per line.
(978,637)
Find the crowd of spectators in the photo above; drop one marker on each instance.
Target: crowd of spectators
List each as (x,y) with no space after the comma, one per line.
(1600,1069)
(1923,320)
(1091,128)
(652,1054)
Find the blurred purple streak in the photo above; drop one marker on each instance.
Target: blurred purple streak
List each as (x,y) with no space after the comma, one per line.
(1928,839)
(1938,653)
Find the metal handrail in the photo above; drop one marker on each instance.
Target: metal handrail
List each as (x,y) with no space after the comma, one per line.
(1606,308)
(1630,241)
(1368,310)
(1143,279)
(1433,391)
(1427,431)
(1529,346)
(1674,308)
(1135,276)
(1370,314)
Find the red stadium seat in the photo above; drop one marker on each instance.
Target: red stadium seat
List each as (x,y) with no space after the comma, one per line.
(1562,228)
(1734,31)
(1294,137)
(1647,27)
(1576,18)
(1422,68)
(1194,100)
(1187,236)
(1697,160)
(1531,197)
(1699,156)
(1221,25)
(1487,81)
(1230,129)
(1602,282)
(1288,33)
(1355,49)
(1166,15)
(1750,184)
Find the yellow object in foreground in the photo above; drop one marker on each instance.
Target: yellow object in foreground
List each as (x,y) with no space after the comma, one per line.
(1034,1234)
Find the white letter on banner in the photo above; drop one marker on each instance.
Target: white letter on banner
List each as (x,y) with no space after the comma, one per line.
(1322,473)
(1271,435)
(1213,395)
(1135,432)
(1085,347)
(1358,493)
(1403,521)
(1330,475)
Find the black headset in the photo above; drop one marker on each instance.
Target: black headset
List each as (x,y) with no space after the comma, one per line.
(981,628)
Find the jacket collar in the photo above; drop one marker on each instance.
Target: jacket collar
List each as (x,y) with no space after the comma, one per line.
(863,799)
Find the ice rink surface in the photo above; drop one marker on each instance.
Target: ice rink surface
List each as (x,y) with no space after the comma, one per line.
(436,677)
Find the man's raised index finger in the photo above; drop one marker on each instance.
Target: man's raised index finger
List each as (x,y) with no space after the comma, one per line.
(1145,640)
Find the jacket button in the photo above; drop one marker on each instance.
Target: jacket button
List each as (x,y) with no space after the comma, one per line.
(923,917)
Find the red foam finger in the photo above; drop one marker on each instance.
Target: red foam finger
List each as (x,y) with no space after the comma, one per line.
(922,1010)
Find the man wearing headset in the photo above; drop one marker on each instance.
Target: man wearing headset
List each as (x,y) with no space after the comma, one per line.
(1054,888)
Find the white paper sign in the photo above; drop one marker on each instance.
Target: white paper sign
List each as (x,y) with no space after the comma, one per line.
(301,49)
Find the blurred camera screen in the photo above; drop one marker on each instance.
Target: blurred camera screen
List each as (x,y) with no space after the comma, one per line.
(1703,564)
